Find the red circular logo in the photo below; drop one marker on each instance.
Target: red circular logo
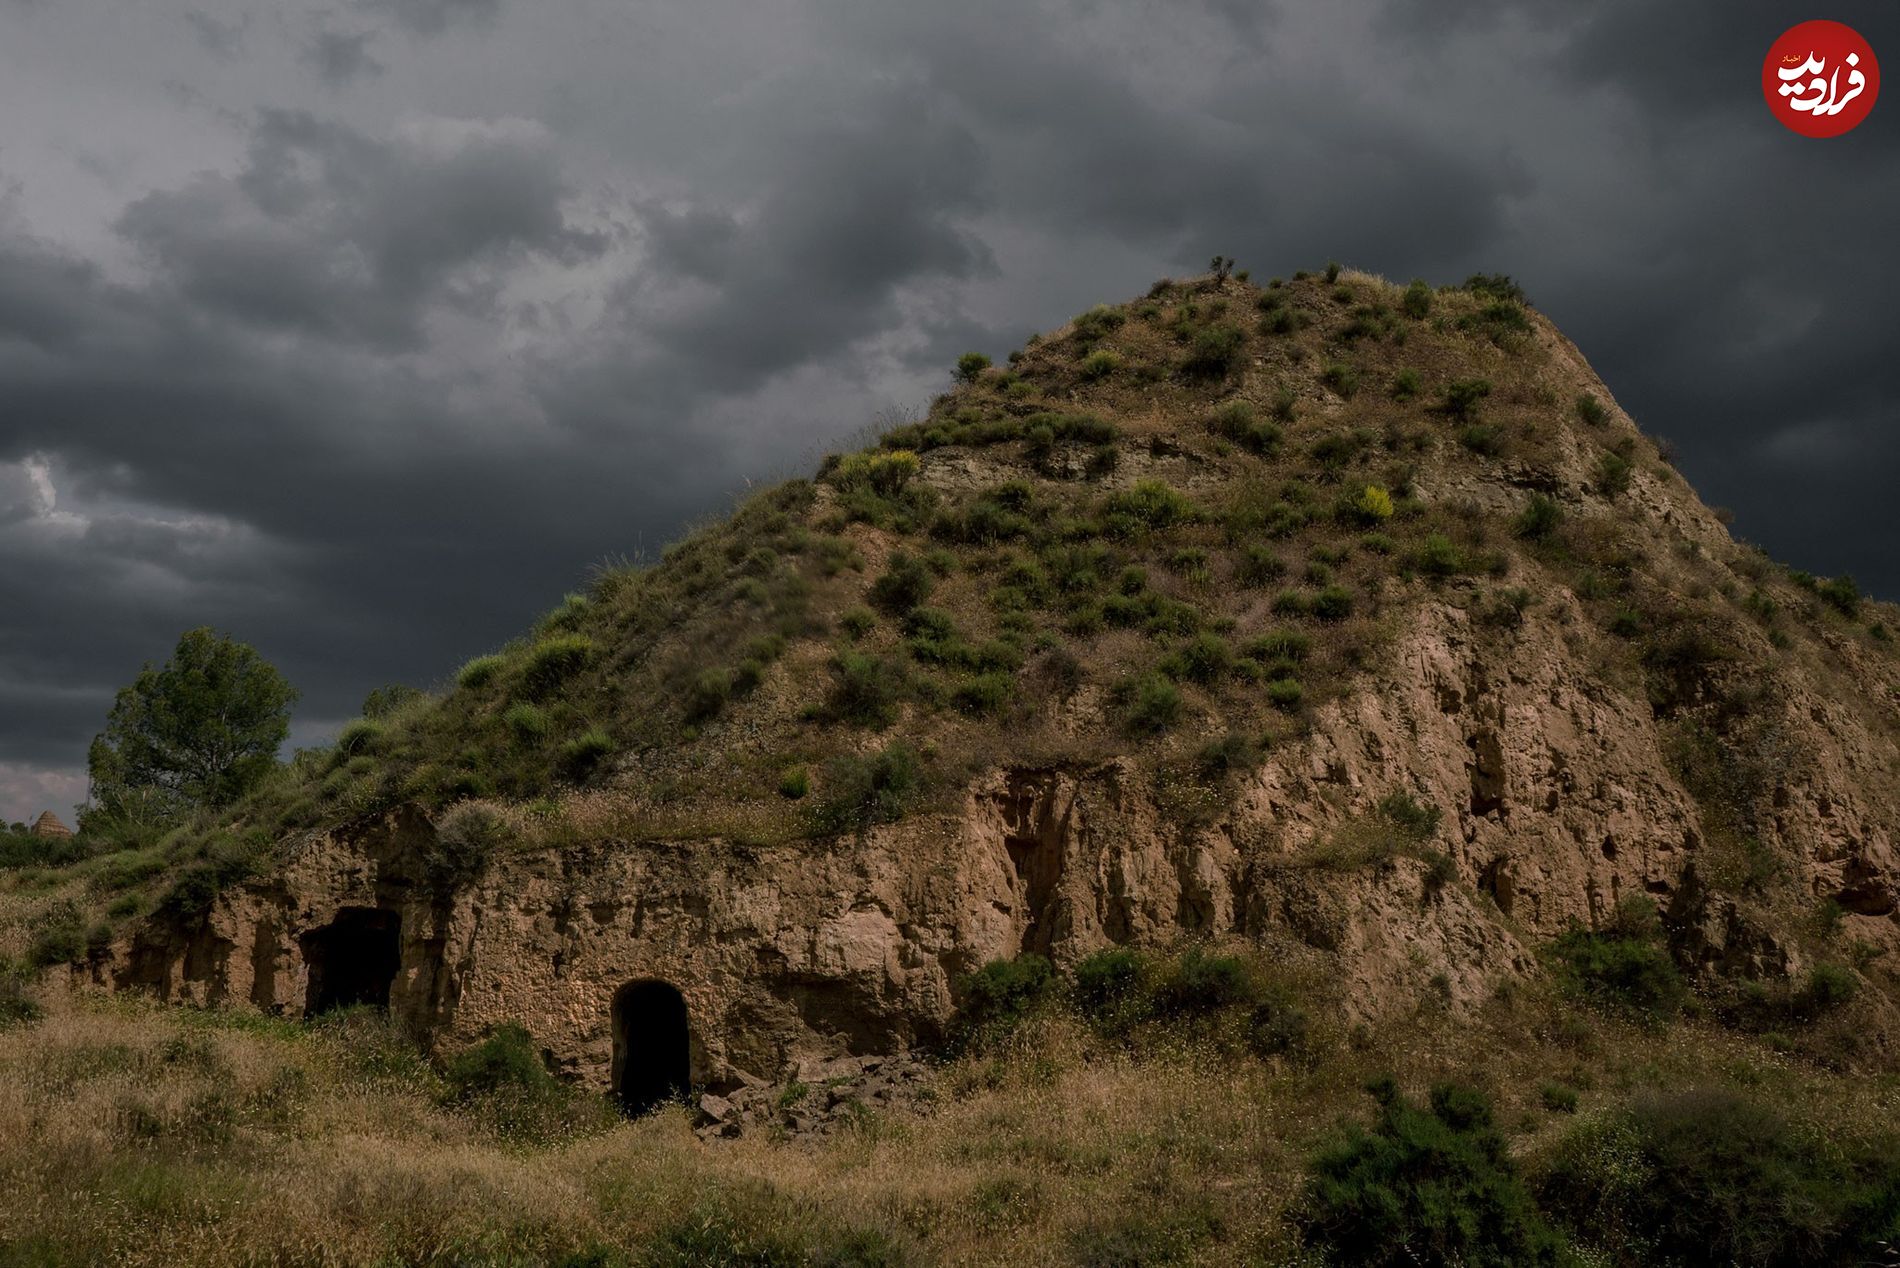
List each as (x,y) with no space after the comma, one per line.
(1820,78)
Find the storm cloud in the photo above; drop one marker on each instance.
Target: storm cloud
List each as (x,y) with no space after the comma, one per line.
(361,330)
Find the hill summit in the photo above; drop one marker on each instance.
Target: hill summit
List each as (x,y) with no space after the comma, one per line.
(1351,623)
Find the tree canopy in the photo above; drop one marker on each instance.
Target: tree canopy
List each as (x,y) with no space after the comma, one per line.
(200,731)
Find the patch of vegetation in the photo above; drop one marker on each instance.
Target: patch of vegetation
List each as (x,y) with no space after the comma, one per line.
(1623,966)
(1214,352)
(863,791)
(1153,704)
(1424,1185)
(1147,506)
(1417,300)
(867,689)
(1463,397)
(1713,1177)
(552,661)
(1238,422)
(1001,995)
(1539,519)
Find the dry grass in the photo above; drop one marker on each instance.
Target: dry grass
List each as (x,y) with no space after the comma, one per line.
(132,1134)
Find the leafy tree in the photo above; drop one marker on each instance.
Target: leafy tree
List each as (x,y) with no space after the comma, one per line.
(201,731)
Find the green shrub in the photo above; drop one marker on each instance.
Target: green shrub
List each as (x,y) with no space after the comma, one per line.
(1231,752)
(1495,286)
(1482,439)
(1100,364)
(1464,396)
(1591,410)
(1290,645)
(1417,300)
(1499,321)
(1841,594)
(1206,658)
(15,1004)
(1414,820)
(1285,693)
(1154,704)
(708,695)
(360,735)
(1097,323)
(1258,565)
(526,721)
(1422,1187)
(1332,272)
(1624,966)
(984,694)
(1613,474)
(480,671)
(1341,378)
(580,755)
(906,582)
(1148,505)
(867,689)
(1711,1177)
(1215,351)
(1108,985)
(1281,321)
(553,661)
(1002,994)
(794,783)
(1236,421)
(1539,518)
(970,367)
(505,1061)
(1558,1098)
(1334,603)
(882,475)
(1405,385)
(869,790)
(60,939)
(1198,984)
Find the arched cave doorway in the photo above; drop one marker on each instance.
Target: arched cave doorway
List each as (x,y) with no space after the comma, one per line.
(352,960)
(652,1064)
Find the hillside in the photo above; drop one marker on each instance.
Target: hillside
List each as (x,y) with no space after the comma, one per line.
(1326,677)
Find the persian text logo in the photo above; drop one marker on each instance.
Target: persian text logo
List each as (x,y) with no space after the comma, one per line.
(1820,78)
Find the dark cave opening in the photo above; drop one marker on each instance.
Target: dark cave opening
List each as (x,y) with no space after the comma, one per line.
(352,960)
(652,1057)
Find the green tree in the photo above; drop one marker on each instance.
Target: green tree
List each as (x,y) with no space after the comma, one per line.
(201,731)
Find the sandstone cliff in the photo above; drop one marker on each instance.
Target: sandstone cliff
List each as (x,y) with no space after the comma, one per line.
(1031,658)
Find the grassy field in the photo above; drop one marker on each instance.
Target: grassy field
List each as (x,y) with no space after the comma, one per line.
(135,1134)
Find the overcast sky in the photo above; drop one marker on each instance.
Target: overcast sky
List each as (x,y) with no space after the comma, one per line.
(361,330)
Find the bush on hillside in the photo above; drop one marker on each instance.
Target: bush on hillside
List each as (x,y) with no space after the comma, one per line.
(1623,966)
(1711,1177)
(1424,1187)
(905,583)
(553,661)
(1002,994)
(862,791)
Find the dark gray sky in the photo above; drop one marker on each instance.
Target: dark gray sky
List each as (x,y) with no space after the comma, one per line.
(360,329)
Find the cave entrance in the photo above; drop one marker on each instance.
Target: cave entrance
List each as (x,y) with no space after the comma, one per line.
(352,960)
(652,1061)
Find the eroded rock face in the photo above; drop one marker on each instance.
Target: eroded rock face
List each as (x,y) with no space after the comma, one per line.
(1557,802)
